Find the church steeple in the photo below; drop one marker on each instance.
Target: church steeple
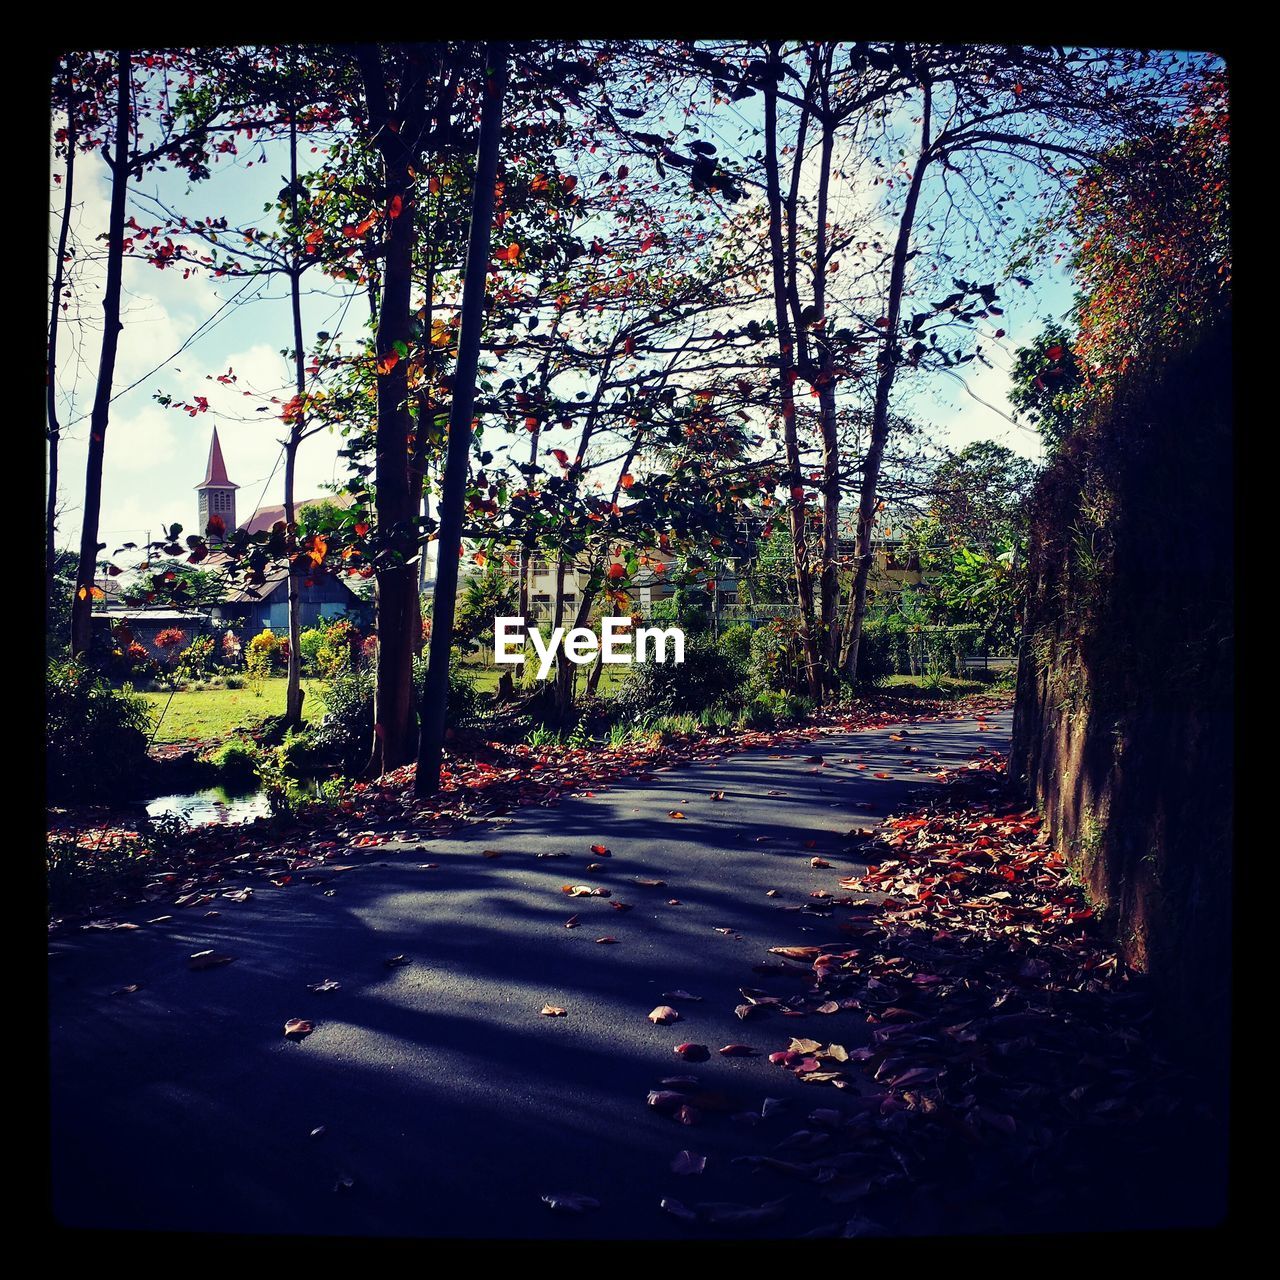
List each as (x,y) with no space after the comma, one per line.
(217,494)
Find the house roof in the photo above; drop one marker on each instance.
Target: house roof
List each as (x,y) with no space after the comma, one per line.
(265,517)
(215,472)
(151,615)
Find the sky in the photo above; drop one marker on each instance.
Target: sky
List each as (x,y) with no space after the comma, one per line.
(155,455)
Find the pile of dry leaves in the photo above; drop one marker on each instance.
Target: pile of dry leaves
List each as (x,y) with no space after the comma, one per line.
(987,1057)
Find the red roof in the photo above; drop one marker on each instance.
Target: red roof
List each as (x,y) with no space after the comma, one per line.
(265,517)
(215,474)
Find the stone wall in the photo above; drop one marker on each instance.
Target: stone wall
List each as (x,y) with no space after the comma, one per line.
(1123,730)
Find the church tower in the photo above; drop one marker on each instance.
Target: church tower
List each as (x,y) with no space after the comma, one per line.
(217,494)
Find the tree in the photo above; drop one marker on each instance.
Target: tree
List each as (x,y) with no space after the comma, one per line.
(1046,379)
(435,696)
(117,160)
(162,117)
(980,493)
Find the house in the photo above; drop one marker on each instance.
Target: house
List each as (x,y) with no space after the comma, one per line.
(244,608)
(251,608)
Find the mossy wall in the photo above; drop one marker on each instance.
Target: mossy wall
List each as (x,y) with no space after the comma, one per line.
(1123,729)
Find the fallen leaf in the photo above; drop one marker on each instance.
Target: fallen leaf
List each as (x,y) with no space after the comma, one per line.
(677,1210)
(327,985)
(600,851)
(129,990)
(207,960)
(606,940)
(675,813)
(570,1202)
(663,1014)
(737,1051)
(665,1100)
(396,962)
(687,1163)
(679,995)
(692,1052)
(298,1028)
(554,1011)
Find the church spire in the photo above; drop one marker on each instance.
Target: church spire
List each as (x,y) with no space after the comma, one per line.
(216,516)
(216,470)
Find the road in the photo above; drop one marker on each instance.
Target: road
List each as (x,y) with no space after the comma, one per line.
(448,1104)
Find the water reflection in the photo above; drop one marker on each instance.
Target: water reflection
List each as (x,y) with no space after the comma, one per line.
(216,805)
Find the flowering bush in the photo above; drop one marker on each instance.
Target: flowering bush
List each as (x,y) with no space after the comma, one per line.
(262,655)
(170,640)
(329,650)
(231,649)
(196,660)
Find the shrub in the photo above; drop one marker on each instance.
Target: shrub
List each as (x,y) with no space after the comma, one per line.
(262,655)
(170,640)
(236,762)
(877,651)
(346,732)
(81,871)
(96,735)
(735,643)
(310,643)
(775,656)
(328,649)
(658,689)
(231,649)
(773,706)
(196,659)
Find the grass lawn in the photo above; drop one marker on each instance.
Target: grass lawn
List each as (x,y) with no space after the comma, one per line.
(945,687)
(214,713)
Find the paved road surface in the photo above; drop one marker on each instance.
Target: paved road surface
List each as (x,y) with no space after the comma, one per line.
(447,1100)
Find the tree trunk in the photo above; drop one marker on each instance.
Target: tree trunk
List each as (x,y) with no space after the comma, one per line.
(830,597)
(884,387)
(82,604)
(53,428)
(435,698)
(293,686)
(396,588)
(786,388)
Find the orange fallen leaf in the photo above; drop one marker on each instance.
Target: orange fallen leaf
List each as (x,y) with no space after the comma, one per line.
(298,1028)
(554,1011)
(663,1014)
